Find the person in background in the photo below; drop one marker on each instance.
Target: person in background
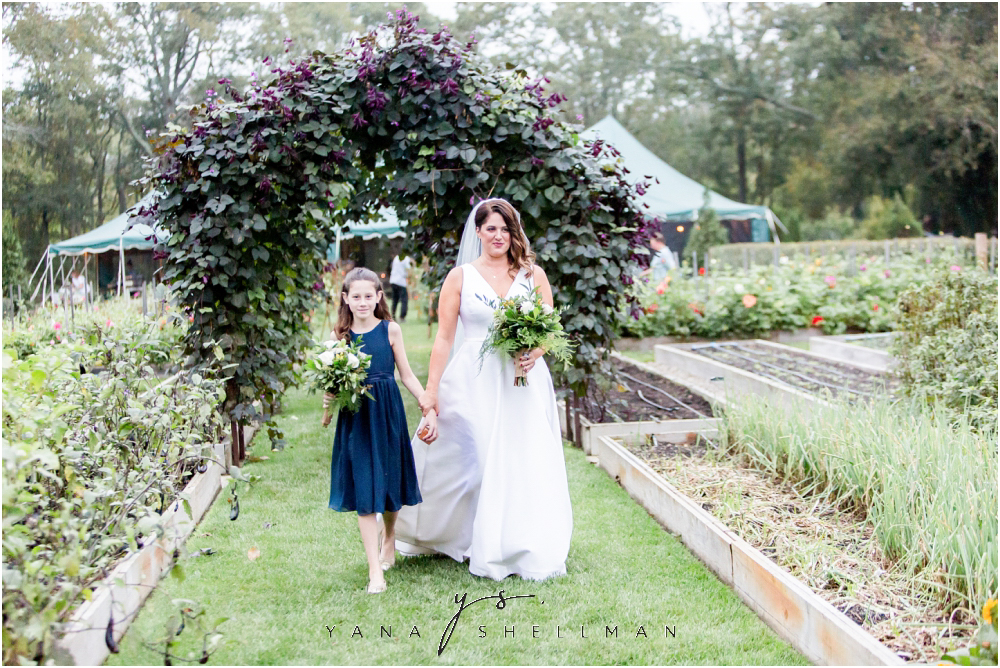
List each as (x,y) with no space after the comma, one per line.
(662,262)
(398,274)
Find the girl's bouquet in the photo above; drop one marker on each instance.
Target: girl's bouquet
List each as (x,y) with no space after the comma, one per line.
(339,369)
(521,324)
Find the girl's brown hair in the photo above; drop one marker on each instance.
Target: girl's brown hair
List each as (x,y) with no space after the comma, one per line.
(342,330)
(519,254)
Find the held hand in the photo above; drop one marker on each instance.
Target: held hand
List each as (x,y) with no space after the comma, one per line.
(428,401)
(328,400)
(428,432)
(528,359)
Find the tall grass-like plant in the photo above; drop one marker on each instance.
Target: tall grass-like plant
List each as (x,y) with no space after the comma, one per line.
(927,484)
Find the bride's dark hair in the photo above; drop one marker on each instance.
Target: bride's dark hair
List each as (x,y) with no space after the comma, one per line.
(519,254)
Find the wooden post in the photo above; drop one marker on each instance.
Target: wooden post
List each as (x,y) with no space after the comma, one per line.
(993,256)
(243,445)
(577,435)
(569,418)
(981,251)
(233,451)
(777,255)
(144,299)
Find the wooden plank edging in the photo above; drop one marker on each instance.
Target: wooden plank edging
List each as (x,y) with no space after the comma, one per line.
(126,588)
(811,625)
(737,381)
(834,348)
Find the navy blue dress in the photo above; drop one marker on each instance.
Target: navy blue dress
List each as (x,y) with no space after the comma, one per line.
(372,469)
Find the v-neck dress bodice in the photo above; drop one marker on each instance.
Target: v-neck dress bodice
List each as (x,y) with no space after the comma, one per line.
(494,483)
(479,301)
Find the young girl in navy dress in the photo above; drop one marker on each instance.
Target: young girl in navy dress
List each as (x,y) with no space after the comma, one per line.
(372,469)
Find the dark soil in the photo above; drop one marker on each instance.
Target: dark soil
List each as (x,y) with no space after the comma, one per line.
(800,371)
(651,449)
(619,400)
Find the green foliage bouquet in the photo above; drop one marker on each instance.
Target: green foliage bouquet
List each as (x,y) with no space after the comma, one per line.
(521,324)
(339,369)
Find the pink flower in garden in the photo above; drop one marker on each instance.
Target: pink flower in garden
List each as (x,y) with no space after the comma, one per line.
(56,326)
(191,318)
(874,307)
(888,273)
(830,279)
(109,323)
(927,260)
(816,320)
(749,300)
(652,308)
(660,290)
(863,267)
(955,267)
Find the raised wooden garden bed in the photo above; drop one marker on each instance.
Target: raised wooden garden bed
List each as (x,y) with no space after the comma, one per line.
(868,351)
(812,625)
(126,588)
(639,401)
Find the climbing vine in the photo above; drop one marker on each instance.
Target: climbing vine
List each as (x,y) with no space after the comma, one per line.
(404,118)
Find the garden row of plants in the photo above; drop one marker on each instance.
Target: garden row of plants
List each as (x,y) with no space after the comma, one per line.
(101,431)
(835,293)
(923,466)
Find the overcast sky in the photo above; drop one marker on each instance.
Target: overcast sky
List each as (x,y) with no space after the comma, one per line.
(692,15)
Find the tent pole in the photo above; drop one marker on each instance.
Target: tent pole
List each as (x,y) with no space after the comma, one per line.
(41,282)
(37,266)
(52,281)
(121,267)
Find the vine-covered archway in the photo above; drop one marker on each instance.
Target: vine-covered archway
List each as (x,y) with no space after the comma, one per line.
(406,119)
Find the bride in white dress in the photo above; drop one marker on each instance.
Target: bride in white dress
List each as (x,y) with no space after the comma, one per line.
(494,482)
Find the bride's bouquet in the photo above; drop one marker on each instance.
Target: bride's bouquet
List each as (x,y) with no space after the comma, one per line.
(521,324)
(340,369)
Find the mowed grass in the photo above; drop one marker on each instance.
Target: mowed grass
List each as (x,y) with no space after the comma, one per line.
(624,571)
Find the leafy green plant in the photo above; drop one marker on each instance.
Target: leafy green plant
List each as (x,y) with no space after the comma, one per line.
(947,347)
(983,650)
(707,233)
(91,461)
(888,219)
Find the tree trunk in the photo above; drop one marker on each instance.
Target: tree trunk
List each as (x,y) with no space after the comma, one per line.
(741,159)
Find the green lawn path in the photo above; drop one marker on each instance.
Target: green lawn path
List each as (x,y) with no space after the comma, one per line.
(625,571)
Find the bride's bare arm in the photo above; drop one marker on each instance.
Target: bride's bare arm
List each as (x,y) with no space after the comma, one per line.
(542,283)
(448,303)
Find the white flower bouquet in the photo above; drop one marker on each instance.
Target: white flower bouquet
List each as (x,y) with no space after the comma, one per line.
(339,370)
(524,323)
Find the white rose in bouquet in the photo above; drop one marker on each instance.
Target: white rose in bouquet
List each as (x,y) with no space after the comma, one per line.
(326,357)
(526,307)
(353,361)
(330,344)
(546,309)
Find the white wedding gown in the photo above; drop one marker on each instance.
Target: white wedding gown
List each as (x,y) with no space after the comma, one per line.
(494,482)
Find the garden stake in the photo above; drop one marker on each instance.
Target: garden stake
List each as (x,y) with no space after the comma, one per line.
(569,421)
(576,423)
